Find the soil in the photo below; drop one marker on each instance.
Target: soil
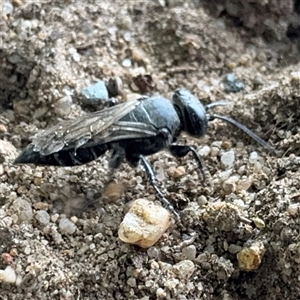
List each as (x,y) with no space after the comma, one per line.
(59,232)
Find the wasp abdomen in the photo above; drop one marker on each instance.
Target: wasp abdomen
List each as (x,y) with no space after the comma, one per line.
(65,158)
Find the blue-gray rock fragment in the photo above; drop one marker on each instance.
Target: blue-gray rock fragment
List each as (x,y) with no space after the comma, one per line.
(95,94)
(232,84)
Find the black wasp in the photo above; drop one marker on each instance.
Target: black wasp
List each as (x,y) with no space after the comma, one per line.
(130,130)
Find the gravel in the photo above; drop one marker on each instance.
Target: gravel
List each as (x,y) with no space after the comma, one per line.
(59,226)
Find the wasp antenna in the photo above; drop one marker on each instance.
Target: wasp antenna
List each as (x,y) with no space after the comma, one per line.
(217,103)
(245,129)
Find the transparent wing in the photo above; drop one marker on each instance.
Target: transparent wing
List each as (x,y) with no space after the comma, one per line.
(95,128)
(125,130)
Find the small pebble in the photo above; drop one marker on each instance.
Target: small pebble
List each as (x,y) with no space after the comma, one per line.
(293,209)
(63,106)
(126,63)
(3,128)
(7,258)
(189,252)
(232,84)
(41,205)
(37,181)
(159,169)
(233,249)
(228,158)
(153,252)
(42,217)
(259,223)
(224,175)
(131,282)
(184,269)
(229,186)
(214,151)
(202,200)
(144,223)
(258,202)
(161,293)
(253,157)
(22,189)
(244,184)
(54,217)
(27,250)
(245,59)
(249,258)
(240,204)
(7,151)
(66,226)
(226,145)
(95,94)
(75,55)
(114,87)
(9,276)
(139,56)
(74,219)
(133,96)
(177,172)
(17,3)
(231,65)
(113,191)
(6,7)
(295,76)
(22,209)
(127,36)
(204,151)
(13,252)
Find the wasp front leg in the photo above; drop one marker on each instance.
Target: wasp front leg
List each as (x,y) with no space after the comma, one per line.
(153,181)
(183,150)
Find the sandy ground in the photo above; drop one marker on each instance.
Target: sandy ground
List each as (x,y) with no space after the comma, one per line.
(59,233)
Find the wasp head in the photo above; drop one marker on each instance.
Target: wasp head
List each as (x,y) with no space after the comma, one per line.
(191,112)
(194,118)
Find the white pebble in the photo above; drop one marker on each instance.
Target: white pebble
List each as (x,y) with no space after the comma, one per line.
(9,276)
(214,151)
(259,223)
(27,250)
(244,184)
(225,175)
(66,226)
(144,223)
(257,202)
(126,63)
(75,54)
(63,106)
(43,217)
(240,204)
(227,158)
(253,157)
(127,36)
(22,209)
(6,8)
(204,151)
(189,252)
(184,269)
(293,209)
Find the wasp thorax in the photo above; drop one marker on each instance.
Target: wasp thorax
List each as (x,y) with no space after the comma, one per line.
(191,112)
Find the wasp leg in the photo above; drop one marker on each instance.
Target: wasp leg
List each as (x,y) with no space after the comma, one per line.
(117,157)
(183,150)
(153,181)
